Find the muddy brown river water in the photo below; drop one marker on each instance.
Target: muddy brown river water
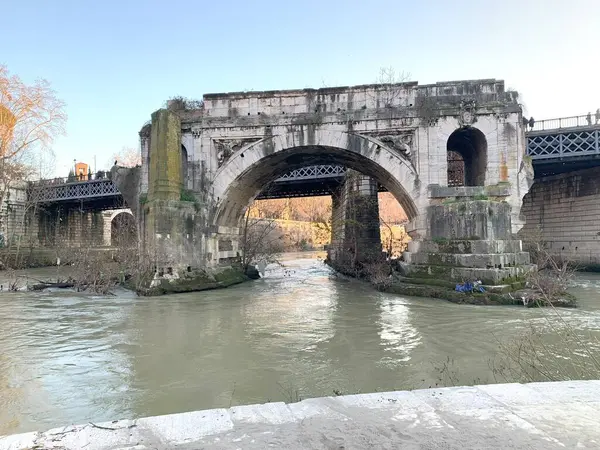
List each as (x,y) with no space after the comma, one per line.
(70,358)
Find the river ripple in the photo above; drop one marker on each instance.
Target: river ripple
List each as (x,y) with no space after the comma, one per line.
(299,332)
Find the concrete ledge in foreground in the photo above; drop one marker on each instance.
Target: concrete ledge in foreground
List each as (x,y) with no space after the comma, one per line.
(534,416)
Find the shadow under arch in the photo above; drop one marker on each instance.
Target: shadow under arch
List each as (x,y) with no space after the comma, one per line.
(469,145)
(239,181)
(184,167)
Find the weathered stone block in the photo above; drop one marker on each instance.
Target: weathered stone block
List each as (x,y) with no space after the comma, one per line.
(496,190)
(164,178)
(465,246)
(471,220)
(490,276)
(563,210)
(175,233)
(476,260)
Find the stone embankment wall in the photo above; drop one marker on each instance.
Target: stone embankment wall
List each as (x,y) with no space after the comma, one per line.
(564,212)
(535,416)
(73,228)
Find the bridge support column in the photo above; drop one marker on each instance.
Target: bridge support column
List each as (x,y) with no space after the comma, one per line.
(176,226)
(468,240)
(355,231)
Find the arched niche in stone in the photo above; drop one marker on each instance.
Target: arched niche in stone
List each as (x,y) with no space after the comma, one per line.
(467,157)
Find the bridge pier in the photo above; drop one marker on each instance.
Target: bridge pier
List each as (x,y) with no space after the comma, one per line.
(468,238)
(176,233)
(355,234)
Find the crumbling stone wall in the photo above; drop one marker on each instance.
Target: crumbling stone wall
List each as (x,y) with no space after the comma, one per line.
(236,143)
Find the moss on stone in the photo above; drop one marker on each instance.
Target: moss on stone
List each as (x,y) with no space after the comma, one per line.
(229,276)
(431,281)
(198,280)
(486,298)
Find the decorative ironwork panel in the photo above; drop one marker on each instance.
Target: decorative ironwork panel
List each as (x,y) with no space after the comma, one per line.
(313,172)
(583,142)
(547,146)
(560,145)
(456,169)
(46,192)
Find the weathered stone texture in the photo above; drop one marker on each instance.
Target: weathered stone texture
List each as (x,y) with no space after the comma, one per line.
(468,240)
(165,157)
(355,221)
(470,220)
(74,228)
(535,416)
(234,144)
(564,212)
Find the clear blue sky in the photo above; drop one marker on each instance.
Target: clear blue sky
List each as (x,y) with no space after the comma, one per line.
(115,61)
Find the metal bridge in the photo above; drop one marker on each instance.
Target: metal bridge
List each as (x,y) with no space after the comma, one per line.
(555,146)
(564,145)
(102,193)
(306,181)
(81,192)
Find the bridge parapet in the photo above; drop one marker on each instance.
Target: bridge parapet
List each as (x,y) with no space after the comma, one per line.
(371,101)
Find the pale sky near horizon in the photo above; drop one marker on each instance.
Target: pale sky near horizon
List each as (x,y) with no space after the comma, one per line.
(114,62)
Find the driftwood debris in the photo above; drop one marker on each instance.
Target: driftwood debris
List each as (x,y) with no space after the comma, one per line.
(46,284)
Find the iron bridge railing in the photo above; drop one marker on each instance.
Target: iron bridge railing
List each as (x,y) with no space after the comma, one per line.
(312,173)
(55,191)
(564,144)
(587,120)
(64,189)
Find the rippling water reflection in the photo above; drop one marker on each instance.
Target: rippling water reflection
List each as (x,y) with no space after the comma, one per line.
(71,358)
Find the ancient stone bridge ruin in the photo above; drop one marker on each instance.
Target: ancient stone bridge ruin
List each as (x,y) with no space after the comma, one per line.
(451,153)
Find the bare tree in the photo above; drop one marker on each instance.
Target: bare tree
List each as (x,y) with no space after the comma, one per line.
(100,270)
(552,275)
(261,240)
(531,356)
(181,103)
(127,157)
(390,81)
(31,117)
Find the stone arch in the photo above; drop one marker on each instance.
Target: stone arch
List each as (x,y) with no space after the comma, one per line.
(250,169)
(184,167)
(467,157)
(123,229)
